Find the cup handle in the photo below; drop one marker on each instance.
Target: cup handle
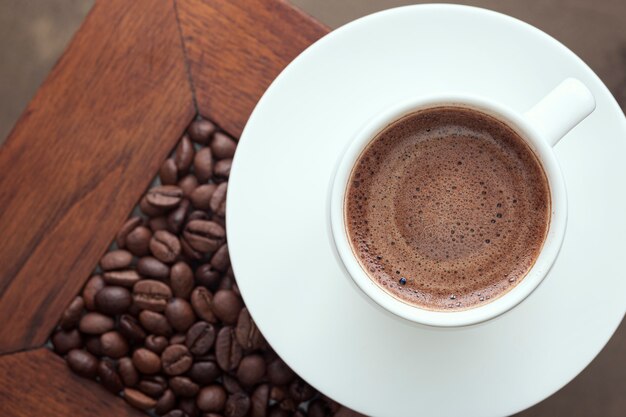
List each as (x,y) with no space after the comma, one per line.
(561,110)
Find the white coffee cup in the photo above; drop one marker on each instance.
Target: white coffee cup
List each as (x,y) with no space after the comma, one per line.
(541,127)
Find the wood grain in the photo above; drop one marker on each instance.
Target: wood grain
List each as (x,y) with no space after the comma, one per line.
(236,48)
(80,156)
(39,383)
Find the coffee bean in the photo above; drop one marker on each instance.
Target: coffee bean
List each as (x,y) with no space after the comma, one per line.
(165,403)
(277,394)
(94,346)
(198,215)
(138,399)
(251,370)
(223,147)
(155,323)
(346,412)
(201,131)
(201,196)
(211,398)
(288,404)
(204,371)
(113,300)
(184,154)
(188,183)
(176,360)
(176,413)
(181,279)
(168,173)
(165,196)
(227,350)
(125,278)
(189,407)
(221,258)
(189,252)
(299,413)
(180,314)
(154,386)
(278,373)
(227,283)
(300,391)
(200,338)
(146,361)
(157,344)
(318,408)
(151,295)
(95,323)
(332,405)
(113,344)
(260,401)
(201,300)
(207,276)
(218,200)
(203,164)
(66,340)
(176,218)
(231,384)
(131,330)
(178,339)
(204,236)
(153,268)
(158,223)
(116,259)
(165,246)
(222,168)
(149,209)
(276,411)
(138,241)
(248,334)
(237,405)
(128,227)
(83,363)
(72,313)
(226,306)
(128,372)
(95,284)
(109,377)
(183,386)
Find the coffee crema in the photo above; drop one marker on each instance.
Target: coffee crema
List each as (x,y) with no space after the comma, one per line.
(447,208)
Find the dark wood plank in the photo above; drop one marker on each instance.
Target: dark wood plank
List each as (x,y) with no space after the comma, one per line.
(236,48)
(38,383)
(83,151)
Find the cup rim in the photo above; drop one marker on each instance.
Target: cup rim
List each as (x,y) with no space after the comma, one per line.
(551,245)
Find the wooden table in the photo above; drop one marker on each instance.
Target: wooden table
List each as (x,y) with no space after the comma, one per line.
(89,143)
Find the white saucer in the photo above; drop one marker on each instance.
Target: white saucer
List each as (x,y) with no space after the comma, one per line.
(299,294)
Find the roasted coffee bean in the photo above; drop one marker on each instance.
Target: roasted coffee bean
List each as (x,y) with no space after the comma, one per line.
(95,284)
(228,352)
(113,344)
(201,131)
(153,386)
(181,280)
(146,361)
(300,391)
(203,164)
(201,196)
(168,173)
(201,300)
(166,402)
(82,362)
(299,413)
(176,218)
(223,147)
(188,405)
(226,306)
(200,338)
(157,344)
(318,408)
(183,386)
(218,200)
(158,223)
(204,235)
(131,329)
(277,394)
(95,323)
(248,334)
(198,215)
(113,300)
(165,246)
(207,276)
(165,196)
(109,377)
(138,241)
(237,405)
(184,154)
(251,370)
(138,399)
(125,278)
(276,411)
(204,371)
(149,209)
(288,404)
(153,268)
(155,323)
(66,340)
(211,398)
(151,295)
(176,360)
(128,372)
(178,339)
(71,315)
(278,373)
(116,259)
(231,384)
(180,314)
(189,252)
(176,413)
(260,401)
(129,226)
(346,412)
(332,405)
(188,183)
(94,346)
(221,170)
(221,258)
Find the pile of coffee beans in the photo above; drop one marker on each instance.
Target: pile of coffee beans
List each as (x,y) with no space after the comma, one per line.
(161,321)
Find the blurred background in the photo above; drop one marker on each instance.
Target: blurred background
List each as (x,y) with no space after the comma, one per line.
(33,34)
